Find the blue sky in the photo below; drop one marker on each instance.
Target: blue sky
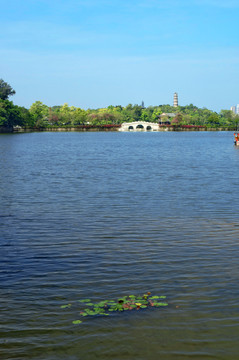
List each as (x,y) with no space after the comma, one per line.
(92,54)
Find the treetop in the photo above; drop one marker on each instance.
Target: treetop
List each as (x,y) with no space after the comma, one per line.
(5,90)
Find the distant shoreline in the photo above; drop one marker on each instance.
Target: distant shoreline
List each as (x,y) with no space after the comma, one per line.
(100,128)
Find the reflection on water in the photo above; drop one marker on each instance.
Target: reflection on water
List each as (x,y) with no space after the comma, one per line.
(102,215)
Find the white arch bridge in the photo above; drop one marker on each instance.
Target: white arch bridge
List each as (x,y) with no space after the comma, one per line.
(139,126)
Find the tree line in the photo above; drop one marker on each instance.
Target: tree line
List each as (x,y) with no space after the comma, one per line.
(40,115)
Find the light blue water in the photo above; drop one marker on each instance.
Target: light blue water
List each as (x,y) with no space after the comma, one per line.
(102,215)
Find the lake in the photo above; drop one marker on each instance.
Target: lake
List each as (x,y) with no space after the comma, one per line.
(104,215)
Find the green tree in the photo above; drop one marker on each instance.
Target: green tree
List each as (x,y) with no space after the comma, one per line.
(144,116)
(9,114)
(137,111)
(40,113)
(178,119)
(79,117)
(67,114)
(227,118)
(156,113)
(213,120)
(5,90)
(26,117)
(188,120)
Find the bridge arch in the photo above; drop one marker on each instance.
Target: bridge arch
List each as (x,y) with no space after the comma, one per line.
(140,126)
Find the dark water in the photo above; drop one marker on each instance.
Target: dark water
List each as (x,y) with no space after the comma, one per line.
(102,215)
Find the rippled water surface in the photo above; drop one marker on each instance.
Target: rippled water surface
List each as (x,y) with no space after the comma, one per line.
(103,215)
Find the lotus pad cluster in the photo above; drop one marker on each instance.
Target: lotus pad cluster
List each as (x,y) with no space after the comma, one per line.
(126,303)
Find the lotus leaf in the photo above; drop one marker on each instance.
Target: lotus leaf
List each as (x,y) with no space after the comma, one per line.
(124,303)
(84,314)
(160,304)
(102,303)
(92,313)
(145,302)
(65,306)
(99,311)
(154,297)
(89,311)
